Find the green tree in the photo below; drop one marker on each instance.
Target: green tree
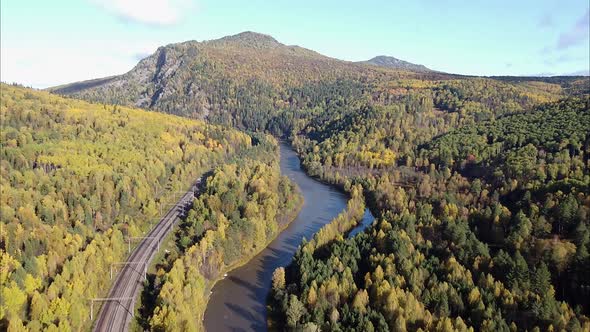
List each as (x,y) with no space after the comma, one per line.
(295,311)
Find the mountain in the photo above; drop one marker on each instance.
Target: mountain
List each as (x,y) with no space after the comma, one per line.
(395,63)
(249,80)
(186,78)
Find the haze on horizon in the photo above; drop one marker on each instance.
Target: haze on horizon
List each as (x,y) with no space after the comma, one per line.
(50,43)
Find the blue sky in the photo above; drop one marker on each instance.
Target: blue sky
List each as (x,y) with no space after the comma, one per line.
(45,43)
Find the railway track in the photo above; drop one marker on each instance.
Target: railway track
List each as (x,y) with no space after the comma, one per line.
(115,315)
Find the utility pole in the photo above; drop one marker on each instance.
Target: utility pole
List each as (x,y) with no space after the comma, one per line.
(182,199)
(129,238)
(131,263)
(164,205)
(152,221)
(105,299)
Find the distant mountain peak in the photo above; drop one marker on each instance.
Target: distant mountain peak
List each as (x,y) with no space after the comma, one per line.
(249,39)
(391,62)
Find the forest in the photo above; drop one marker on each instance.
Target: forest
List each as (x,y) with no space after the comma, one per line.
(484,227)
(480,188)
(77,178)
(243,206)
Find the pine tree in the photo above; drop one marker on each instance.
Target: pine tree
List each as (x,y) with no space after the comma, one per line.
(295,311)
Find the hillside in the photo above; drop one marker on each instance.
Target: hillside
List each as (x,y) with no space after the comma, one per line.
(187,78)
(247,80)
(483,227)
(78,178)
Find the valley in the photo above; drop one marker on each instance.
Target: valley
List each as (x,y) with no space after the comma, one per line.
(375,195)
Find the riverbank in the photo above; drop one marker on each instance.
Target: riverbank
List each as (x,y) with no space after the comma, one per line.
(289,216)
(239,300)
(285,214)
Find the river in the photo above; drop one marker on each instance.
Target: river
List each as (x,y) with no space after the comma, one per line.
(238,302)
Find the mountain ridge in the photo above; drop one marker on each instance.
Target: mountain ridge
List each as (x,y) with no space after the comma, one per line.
(392,62)
(181,78)
(249,39)
(228,80)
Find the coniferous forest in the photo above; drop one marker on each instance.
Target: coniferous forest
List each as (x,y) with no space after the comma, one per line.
(485,228)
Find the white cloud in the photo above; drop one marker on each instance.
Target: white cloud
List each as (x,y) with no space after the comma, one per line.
(156,12)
